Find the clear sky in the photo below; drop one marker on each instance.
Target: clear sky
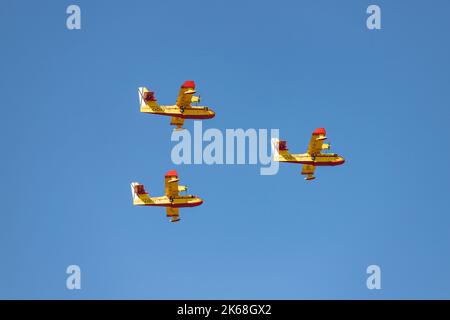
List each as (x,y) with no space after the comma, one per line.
(73,139)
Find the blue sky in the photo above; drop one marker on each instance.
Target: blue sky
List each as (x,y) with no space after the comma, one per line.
(73,139)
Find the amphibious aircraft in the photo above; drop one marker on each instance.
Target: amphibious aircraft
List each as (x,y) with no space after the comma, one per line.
(312,158)
(182,109)
(172,200)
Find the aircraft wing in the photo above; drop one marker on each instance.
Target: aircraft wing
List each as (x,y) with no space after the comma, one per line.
(172,186)
(177,121)
(316,142)
(308,169)
(185,94)
(173,213)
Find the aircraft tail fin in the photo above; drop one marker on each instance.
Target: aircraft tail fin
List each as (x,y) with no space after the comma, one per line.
(140,196)
(147,98)
(279,148)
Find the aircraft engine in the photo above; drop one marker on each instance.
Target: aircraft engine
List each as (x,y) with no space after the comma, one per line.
(195,99)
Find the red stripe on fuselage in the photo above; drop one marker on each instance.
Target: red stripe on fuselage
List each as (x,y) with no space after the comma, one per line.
(206,116)
(177,115)
(318,164)
(175,205)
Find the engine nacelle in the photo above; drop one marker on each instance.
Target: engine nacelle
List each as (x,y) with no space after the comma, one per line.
(195,99)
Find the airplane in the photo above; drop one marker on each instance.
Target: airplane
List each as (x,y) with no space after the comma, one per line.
(312,158)
(182,109)
(172,200)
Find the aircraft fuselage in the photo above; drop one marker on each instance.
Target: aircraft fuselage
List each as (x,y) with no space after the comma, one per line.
(321,159)
(193,112)
(176,202)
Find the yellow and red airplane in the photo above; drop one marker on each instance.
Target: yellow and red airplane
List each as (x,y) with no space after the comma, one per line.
(312,158)
(182,109)
(172,200)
